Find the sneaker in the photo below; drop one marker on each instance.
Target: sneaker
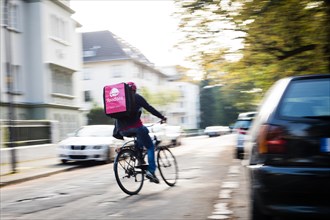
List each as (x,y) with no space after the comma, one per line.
(152,177)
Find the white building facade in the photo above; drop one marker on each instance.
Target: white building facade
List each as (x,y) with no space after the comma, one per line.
(186,109)
(108,59)
(43,49)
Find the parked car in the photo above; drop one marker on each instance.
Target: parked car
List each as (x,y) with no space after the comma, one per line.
(92,142)
(168,135)
(289,165)
(174,134)
(241,128)
(213,131)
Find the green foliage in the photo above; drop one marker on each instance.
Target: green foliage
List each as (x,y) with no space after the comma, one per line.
(281,38)
(160,98)
(96,116)
(216,105)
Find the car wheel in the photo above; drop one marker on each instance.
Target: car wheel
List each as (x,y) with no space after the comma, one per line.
(107,157)
(237,154)
(256,213)
(241,156)
(63,161)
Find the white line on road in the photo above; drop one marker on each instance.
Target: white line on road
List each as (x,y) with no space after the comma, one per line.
(225,194)
(221,210)
(230,185)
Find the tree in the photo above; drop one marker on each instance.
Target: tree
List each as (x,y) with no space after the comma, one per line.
(280,38)
(216,105)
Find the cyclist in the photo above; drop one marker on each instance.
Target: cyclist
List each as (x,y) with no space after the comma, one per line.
(133,124)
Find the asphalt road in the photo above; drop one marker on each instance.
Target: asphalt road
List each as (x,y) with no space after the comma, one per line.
(211,186)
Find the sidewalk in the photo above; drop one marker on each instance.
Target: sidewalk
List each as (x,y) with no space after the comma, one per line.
(32,170)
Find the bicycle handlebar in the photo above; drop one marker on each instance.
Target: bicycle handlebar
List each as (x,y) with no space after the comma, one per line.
(162,121)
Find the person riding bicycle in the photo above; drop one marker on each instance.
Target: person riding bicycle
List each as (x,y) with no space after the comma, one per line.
(133,124)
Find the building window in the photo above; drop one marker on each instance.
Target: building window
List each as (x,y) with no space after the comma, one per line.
(183,120)
(141,73)
(58,28)
(13,16)
(62,82)
(116,71)
(17,78)
(89,53)
(86,74)
(88,96)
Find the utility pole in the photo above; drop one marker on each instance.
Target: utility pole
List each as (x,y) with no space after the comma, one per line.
(9,80)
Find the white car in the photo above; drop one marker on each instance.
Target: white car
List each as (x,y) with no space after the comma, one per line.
(89,143)
(212,131)
(174,134)
(168,135)
(241,127)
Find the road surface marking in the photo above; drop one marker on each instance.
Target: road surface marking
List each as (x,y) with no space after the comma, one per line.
(221,210)
(225,194)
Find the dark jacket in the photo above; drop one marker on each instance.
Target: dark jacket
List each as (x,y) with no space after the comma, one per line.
(133,119)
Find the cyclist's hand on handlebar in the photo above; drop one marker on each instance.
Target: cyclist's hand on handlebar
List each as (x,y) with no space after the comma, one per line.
(164,119)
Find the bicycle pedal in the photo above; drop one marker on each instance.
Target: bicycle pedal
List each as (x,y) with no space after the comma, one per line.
(143,166)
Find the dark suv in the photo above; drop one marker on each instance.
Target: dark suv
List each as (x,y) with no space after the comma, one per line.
(289,144)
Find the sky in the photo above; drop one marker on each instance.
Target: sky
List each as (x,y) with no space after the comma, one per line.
(146,25)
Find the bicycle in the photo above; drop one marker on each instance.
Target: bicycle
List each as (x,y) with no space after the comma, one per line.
(130,171)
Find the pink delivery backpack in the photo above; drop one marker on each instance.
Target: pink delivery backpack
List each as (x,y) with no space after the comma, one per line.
(118,100)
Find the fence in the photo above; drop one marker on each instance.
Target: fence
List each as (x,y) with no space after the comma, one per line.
(28,132)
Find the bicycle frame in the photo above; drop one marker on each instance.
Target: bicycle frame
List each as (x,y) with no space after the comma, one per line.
(130,177)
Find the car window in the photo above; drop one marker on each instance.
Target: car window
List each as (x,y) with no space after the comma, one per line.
(242,124)
(306,98)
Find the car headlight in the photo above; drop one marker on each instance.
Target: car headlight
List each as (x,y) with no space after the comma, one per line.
(97,147)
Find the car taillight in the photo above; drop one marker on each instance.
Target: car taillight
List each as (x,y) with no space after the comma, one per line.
(271,140)
(241,131)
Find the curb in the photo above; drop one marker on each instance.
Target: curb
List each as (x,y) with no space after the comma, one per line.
(35,176)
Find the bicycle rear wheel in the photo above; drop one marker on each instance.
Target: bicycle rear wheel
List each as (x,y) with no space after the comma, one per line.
(129,178)
(167,166)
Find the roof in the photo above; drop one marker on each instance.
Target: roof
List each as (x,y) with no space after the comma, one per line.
(106,46)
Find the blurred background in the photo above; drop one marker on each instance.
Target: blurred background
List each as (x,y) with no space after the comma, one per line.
(200,62)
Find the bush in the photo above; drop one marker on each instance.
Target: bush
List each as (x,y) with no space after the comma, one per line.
(97,116)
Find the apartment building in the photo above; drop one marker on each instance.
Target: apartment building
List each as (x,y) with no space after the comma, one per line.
(108,59)
(39,41)
(185,111)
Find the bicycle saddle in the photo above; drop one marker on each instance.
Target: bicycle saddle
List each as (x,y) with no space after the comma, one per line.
(130,134)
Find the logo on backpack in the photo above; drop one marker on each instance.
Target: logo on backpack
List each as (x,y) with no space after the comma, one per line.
(114,92)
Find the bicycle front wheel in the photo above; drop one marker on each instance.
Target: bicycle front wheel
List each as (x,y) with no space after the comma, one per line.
(167,166)
(129,178)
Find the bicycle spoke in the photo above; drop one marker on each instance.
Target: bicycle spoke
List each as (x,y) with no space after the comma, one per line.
(128,178)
